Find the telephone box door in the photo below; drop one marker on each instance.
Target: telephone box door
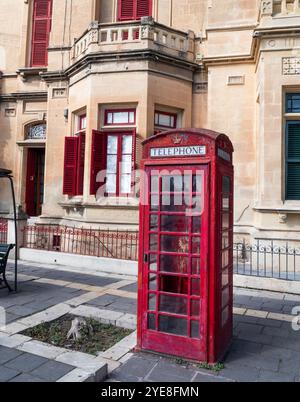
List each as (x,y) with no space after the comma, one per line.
(174,319)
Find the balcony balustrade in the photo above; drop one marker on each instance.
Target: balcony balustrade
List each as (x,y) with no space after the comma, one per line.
(134,35)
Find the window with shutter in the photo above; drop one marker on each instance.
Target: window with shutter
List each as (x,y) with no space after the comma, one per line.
(293,160)
(143,8)
(80,163)
(134,9)
(98,160)
(113,153)
(70,165)
(41,25)
(74,165)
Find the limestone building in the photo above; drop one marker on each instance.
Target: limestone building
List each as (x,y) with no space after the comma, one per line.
(82,82)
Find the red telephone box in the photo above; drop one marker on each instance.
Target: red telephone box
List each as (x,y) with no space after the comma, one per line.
(185,286)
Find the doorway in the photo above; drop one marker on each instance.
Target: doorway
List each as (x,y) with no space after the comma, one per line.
(34,194)
(175,262)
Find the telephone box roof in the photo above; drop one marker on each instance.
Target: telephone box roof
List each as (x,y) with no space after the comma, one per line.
(213,135)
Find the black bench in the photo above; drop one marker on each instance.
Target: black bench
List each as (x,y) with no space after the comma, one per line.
(4,253)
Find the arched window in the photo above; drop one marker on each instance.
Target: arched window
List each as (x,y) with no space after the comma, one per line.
(35,131)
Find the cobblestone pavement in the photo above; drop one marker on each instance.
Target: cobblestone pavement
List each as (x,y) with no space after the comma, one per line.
(264,348)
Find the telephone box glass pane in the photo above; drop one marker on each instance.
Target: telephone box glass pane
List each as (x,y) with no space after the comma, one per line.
(174,203)
(153,262)
(197,183)
(152,282)
(173,284)
(225,221)
(225,240)
(226,185)
(225,296)
(195,329)
(225,203)
(225,277)
(172,183)
(196,242)
(179,244)
(154,184)
(195,266)
(153,242)
(196,224)
(153,223)
(197,204)
(154,202)
(174,305)
(225,316)
(174,264)
(151,321)
(195,308)
(195,287)
(173,325)
(225,259)
(152,301)
(174,223)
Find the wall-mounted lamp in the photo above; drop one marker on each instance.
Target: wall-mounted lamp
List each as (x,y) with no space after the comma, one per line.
(66,114)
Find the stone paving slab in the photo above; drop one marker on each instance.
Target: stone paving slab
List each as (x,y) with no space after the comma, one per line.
(17,366)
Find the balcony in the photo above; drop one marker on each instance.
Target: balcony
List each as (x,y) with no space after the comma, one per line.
(134,35)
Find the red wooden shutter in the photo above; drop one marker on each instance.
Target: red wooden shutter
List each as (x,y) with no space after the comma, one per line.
(40,32)
(98,160)
(70,165)
(143,8)
(80,163)
(126,10)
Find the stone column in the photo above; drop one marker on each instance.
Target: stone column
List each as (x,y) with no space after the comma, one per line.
(21,223)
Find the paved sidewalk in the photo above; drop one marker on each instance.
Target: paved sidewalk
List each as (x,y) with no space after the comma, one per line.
(265,348)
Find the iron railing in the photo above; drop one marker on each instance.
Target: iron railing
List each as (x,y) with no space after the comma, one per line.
(267,259)
(3,230)
(117,244)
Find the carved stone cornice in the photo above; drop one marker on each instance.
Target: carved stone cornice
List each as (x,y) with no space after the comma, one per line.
(134,55)
(15,96)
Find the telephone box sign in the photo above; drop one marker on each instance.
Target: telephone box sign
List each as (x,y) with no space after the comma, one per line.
(172,152)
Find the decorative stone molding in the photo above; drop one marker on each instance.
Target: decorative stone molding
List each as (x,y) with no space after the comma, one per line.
(10,112)
(283,218)
(291,65)
(200,87)
(236,80)
(267,7)
(59,93)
